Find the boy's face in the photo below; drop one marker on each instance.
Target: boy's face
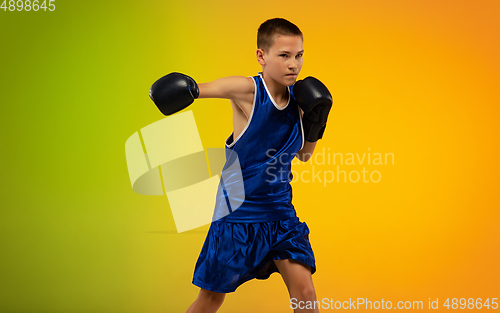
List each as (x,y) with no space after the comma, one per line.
(282,62)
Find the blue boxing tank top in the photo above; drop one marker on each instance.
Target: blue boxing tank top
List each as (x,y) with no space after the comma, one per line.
(255,181)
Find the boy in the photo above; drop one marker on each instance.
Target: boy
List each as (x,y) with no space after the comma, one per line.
(273,123)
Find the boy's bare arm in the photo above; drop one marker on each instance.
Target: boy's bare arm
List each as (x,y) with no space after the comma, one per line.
(307,150)
(232,87)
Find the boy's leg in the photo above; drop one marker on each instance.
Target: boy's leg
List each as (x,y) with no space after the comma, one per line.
(207,301)
(298,279)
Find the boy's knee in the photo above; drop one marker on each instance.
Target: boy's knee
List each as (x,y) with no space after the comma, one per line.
(212,298)
(305,292)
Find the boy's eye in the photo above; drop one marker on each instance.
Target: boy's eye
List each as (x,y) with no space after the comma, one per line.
(299,55)
(282,55)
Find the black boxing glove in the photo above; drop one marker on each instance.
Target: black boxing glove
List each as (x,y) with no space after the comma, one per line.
(316,101)
(173,92)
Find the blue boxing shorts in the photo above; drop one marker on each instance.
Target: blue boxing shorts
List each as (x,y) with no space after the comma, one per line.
(234,253)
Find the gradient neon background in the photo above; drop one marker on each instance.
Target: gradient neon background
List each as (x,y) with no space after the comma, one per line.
(418,79)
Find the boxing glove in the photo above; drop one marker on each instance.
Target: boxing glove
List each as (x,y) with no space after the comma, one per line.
(316,101)
(173,92)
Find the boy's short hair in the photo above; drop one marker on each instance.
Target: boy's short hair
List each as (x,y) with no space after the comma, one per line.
(272,27)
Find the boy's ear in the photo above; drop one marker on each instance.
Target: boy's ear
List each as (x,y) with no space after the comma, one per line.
(260,57)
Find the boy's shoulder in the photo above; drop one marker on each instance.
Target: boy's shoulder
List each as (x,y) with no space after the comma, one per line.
(245,83)
(238,86)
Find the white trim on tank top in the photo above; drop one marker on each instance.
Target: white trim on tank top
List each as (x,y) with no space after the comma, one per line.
(271,97)
(249,119)
(302,129)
